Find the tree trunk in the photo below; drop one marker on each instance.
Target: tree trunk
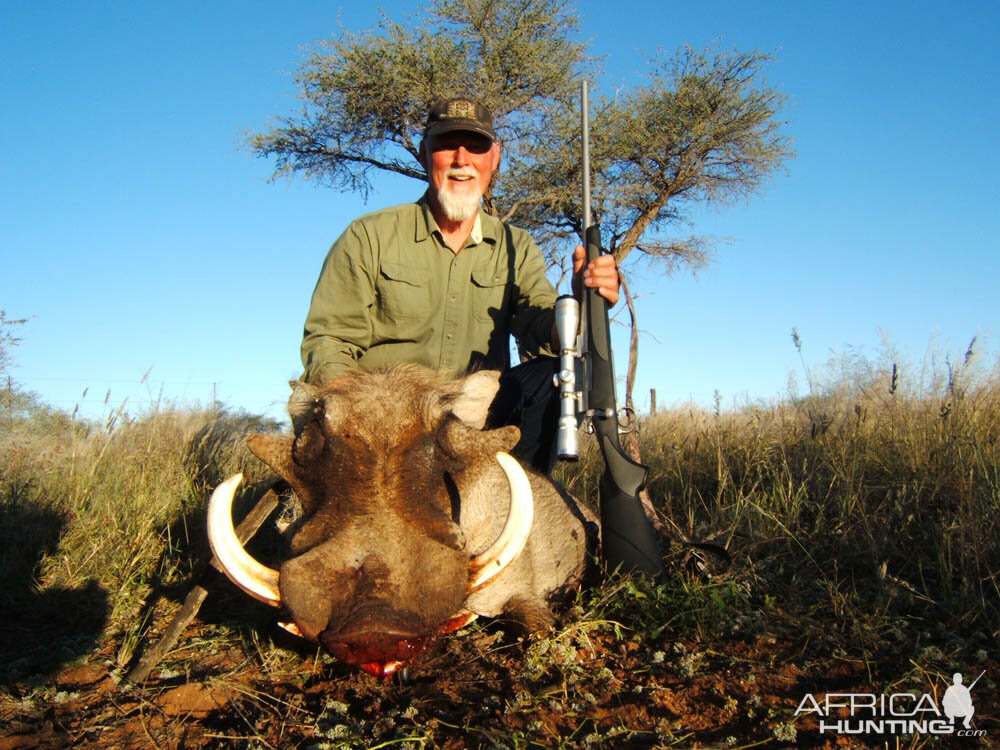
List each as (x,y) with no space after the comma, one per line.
(632,436)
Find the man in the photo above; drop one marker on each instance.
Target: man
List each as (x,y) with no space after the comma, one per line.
(443,284)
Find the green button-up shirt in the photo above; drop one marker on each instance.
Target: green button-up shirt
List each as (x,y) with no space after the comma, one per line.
(392,291)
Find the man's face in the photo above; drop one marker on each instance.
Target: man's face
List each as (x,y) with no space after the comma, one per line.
(459,168)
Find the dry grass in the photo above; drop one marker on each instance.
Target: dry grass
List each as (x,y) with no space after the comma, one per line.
(865,489)
(94,517)
(865,481)
(862,520)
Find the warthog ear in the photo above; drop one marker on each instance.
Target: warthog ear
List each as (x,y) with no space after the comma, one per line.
(276,451)
(468,445)
(302,404)
(475,396)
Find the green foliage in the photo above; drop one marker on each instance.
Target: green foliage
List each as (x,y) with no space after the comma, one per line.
(704,129)
(686,603)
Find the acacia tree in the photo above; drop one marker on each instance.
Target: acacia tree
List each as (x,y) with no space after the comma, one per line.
(17,404)
(366,95)
(7,340)
(703,129)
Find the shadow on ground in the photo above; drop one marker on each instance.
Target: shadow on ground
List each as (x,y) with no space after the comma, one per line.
(41,630)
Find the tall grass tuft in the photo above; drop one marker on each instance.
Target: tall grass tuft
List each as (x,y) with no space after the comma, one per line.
(92,516)
(876,490)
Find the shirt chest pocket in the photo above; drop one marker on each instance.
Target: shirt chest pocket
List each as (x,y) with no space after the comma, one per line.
(489,290)
(403,292)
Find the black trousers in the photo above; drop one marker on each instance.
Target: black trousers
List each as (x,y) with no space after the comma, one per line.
(528,398)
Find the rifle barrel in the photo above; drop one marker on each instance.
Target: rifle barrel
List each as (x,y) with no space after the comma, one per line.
(585,117)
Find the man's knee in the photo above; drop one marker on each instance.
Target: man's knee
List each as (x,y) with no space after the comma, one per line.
(528,399)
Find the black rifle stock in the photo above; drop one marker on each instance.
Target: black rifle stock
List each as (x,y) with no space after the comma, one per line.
(627,537)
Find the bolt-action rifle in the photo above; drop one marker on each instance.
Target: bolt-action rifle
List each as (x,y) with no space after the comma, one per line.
(627,538)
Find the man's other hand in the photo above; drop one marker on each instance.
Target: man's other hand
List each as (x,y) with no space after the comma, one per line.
(600,274)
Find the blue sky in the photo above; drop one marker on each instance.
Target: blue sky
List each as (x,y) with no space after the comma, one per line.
(139,236)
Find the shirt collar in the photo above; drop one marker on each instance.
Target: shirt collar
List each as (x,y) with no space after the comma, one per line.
(476,235)
(485,227)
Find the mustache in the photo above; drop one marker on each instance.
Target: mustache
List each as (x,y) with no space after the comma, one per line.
(460,172)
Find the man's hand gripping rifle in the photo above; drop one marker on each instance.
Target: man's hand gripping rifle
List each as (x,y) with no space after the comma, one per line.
(587,394)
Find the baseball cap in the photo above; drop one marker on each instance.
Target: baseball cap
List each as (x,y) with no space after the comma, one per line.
(448,115)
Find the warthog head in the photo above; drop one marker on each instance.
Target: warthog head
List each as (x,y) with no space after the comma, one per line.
(401,490)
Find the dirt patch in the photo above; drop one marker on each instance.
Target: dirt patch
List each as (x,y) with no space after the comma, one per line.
(592,685)
(649,675)
(83,676)
(194,700)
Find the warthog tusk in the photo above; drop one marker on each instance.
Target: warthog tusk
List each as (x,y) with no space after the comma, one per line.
(258,580)
(491,563)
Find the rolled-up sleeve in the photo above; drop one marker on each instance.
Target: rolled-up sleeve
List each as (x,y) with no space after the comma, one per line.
(338,328)
(534,298)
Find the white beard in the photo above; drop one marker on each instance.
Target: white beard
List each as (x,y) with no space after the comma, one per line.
(460,206)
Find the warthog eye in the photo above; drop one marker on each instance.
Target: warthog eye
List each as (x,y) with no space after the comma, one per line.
(454,497)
